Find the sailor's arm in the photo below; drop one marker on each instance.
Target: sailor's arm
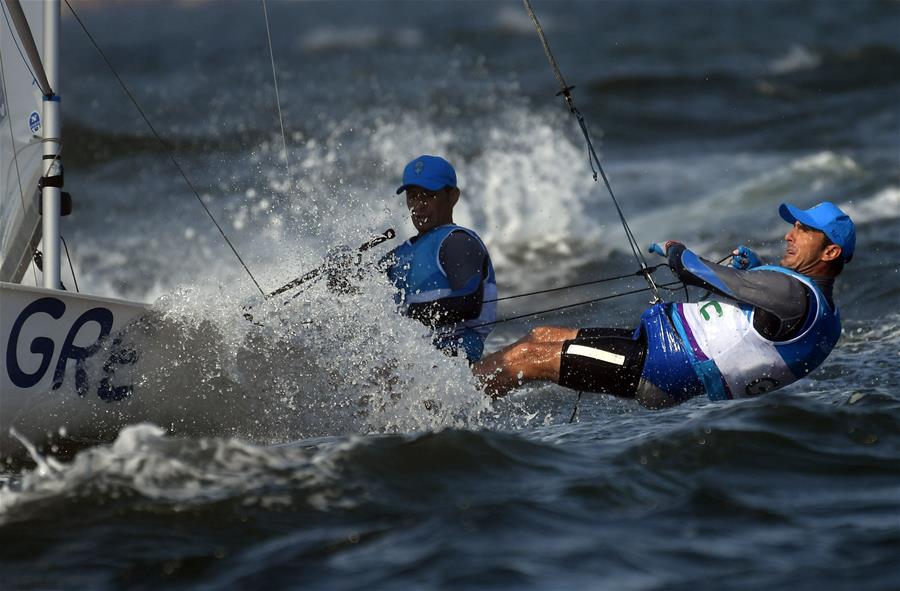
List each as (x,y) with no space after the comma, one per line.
(464,260)
(785,299)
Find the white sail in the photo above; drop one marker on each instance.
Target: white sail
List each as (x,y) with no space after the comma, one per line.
(20,146)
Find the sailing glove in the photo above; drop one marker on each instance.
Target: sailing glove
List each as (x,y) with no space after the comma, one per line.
(338,267)
(661,250)
(744,259)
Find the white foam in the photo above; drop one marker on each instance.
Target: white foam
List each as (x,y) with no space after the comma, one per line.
(143,460)
(322,365)
(526,188)
(825,161)
(515,20)
(362,37)
(883,205)
(796,59)
(753,189)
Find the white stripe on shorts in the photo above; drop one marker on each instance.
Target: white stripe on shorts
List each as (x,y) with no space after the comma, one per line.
(596,354)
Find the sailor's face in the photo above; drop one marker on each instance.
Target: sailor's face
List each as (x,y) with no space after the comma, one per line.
(806,247)
(430,209)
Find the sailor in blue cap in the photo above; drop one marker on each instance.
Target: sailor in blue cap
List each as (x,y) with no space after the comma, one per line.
(443,274)
(772,326)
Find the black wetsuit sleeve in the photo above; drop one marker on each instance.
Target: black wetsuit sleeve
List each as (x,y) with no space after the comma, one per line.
(462,256)
(781,301)
(464,260)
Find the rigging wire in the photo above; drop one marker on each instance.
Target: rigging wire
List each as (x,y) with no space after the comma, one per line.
(573,285)
(287,159)
(12,139)
(575,408)
(593,159)
(165,146)
(71,268)
(674,286)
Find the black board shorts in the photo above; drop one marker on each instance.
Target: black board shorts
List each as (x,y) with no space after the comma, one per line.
(603,360)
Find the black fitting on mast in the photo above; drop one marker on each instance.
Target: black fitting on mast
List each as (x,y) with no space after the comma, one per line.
(65,203)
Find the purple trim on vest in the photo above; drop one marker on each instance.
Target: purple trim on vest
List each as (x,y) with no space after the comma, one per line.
(692,341)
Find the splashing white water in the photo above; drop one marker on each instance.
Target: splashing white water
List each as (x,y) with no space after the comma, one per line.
(144,461)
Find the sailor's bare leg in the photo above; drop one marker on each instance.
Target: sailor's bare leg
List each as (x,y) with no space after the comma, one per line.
(551,333)
(533,357)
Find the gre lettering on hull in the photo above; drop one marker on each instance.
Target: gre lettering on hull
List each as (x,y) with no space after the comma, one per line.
(50,345)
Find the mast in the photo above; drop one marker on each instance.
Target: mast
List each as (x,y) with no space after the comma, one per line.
(51,168)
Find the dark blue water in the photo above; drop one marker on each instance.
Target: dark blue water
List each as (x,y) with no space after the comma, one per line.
(329,450)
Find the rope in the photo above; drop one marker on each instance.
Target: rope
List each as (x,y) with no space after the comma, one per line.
(71,268)
(314,273)
(666,286)
(593,159)
(573,285)
(556,71)
(287,160)
(165,147)
(12,139)
(575,409)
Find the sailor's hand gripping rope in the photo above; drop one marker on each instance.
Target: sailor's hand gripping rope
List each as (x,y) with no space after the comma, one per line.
(350,257)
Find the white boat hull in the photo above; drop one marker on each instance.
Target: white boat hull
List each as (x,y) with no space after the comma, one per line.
(48,339)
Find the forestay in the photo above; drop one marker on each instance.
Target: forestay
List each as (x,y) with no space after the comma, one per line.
(20,147)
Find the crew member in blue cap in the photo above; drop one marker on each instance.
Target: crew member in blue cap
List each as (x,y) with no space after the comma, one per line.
(444,273)
(775,324)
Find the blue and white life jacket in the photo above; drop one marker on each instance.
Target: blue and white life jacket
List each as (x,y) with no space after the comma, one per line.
(418,274)
(712,347)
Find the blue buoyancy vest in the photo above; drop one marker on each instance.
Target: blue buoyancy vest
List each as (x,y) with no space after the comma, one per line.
(712,348)
(418,274)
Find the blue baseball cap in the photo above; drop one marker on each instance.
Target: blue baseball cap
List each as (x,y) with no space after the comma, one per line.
(828,219)
(429,172)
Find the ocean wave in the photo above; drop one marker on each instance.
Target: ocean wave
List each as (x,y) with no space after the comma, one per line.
(309,366)
(868,67)
(806,434)
(512,19)
(619,483)
(799,67)
(329,38)
(178,473)
(797,58)
(885,204)
(811,437)
(144,464)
